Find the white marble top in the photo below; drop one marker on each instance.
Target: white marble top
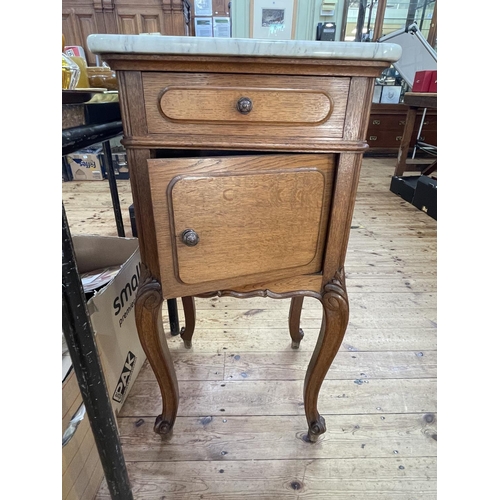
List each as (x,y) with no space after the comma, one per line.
(182,45)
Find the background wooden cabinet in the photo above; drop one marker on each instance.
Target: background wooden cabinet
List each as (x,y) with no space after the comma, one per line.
(80,18)
(386,125)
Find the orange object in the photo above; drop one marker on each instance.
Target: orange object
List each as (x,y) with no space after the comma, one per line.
(102,77)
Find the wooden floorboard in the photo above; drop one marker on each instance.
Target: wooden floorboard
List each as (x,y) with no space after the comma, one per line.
(241,431)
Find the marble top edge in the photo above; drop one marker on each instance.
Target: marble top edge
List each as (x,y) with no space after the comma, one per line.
(182,45)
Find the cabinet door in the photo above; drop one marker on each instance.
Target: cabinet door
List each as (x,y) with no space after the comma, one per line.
(223,222)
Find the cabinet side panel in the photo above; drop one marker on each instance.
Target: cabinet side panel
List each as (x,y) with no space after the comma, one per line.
(134,123)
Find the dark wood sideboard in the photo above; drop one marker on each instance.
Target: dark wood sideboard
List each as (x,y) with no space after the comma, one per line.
(386,126)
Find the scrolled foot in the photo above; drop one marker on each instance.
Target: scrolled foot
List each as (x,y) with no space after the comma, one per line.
(334,324)
(316,429)
(187,342)
(296,342)
(162,427)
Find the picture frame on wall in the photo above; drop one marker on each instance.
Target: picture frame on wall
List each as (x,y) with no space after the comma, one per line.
(202,7)
(273,19)
(391,94)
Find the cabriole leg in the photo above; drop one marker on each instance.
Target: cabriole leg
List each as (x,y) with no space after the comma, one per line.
(149,323)
(335,319)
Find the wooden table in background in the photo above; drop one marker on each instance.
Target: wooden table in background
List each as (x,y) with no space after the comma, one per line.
(414,100)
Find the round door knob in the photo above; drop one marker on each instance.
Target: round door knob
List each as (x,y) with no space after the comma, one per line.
(190,237)
(244,105)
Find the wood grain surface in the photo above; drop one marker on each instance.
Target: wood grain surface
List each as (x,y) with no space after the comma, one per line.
(257,218)
(205,104)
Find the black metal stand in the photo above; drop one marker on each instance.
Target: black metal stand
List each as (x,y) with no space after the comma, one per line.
(79,335)
(173,316)
(77,326)
(77,138)
(110,171)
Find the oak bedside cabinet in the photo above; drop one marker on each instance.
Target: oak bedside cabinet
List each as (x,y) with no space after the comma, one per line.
(244,159)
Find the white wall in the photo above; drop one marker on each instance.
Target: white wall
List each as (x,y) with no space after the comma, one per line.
(307,18)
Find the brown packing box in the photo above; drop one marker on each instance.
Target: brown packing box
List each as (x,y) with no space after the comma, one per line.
(86,165)
(111,311)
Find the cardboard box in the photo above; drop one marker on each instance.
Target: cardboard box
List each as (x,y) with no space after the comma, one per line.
(111,310)
(86,165)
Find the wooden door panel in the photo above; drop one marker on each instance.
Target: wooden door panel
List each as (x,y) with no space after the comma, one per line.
(81,18)
(259,216)
(151,23)
(128,24)
(77,25)
(247,224)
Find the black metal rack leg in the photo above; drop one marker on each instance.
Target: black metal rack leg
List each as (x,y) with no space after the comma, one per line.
(79,335)
(173,316)
(110,171)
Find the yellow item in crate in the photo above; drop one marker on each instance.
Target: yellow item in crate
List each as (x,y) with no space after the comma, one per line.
(70,73)
(83,81)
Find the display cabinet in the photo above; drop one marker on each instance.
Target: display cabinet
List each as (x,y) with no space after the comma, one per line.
(387,124)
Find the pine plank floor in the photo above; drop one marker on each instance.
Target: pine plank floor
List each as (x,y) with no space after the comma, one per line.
(240,428)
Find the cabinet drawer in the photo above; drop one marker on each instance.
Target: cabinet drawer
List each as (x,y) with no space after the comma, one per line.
(386,122)
(248,216)
(427,136)
(384,139)
(430,123)
(248,107)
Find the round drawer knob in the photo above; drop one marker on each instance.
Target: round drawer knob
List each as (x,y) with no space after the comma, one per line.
(244,105)
(190,237)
